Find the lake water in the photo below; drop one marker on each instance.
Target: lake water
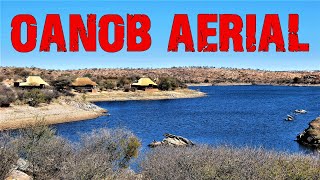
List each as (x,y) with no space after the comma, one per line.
(235,115)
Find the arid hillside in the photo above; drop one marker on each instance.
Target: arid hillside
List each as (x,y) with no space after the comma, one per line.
(184,74)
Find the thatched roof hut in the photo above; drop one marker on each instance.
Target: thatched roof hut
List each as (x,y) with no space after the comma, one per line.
(144,82)
(83,81)
(84,84)
(34,81)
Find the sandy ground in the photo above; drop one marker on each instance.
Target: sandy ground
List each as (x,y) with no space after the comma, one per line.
(68,110)
(23,115)
(142,95)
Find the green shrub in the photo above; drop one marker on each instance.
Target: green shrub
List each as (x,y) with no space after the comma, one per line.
(123,81)
(7,96)
(101,154)
(88,75)
(107,84)
(169,83)
(36,96)
(62,83)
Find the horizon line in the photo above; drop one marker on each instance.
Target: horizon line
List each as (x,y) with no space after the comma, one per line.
(154,68)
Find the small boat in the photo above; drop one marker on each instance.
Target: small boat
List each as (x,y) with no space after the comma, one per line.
(300,111)
(289,118)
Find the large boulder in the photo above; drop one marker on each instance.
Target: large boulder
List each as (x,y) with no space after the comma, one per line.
(22,164)
(172,140)
(311,135)
(18,175)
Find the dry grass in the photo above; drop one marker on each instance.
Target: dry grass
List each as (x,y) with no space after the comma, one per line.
(227,163)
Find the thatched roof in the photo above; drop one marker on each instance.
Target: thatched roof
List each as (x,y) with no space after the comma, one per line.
(83,81)
(144,82)
(34,81)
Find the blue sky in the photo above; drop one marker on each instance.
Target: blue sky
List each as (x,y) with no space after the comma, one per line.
(161,14)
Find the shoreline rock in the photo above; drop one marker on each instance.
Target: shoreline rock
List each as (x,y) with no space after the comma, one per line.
(172,140)
(311,135)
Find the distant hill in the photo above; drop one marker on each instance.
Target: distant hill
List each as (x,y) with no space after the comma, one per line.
(184,74)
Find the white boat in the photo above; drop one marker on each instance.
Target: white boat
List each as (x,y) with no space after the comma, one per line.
(300,111)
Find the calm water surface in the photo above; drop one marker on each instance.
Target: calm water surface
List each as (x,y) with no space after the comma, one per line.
(236,115)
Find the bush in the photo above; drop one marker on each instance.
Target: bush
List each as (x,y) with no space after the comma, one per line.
(107,84)
(88,75)
(123,82)
(101,154)
(21,72)
(205,162)
(169,83)
(45,151)
(8,154)
(36,96)
(7,96)
(127,88)
(62,83)
(106,154)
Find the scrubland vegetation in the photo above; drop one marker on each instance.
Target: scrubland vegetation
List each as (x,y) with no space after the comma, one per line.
(33,97)
(60,85)
(100,154)
(204,162)
(106,154)
(7,96)
(110,78)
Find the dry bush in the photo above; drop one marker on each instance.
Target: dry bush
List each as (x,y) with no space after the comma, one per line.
(101,154)
(227,163)
(170,83)
(45,151)
(34,97)
(8,154)
(7,96)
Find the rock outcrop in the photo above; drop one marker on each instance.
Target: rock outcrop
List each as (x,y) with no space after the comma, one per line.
(18,175)
(172,140)
(311,135)
(20,170)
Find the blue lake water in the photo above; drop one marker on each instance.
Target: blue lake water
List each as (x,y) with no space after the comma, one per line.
(235,115)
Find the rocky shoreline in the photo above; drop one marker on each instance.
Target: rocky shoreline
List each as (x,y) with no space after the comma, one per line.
(311,135)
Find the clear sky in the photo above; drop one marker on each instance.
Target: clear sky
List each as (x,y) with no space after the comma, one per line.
(161,14)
